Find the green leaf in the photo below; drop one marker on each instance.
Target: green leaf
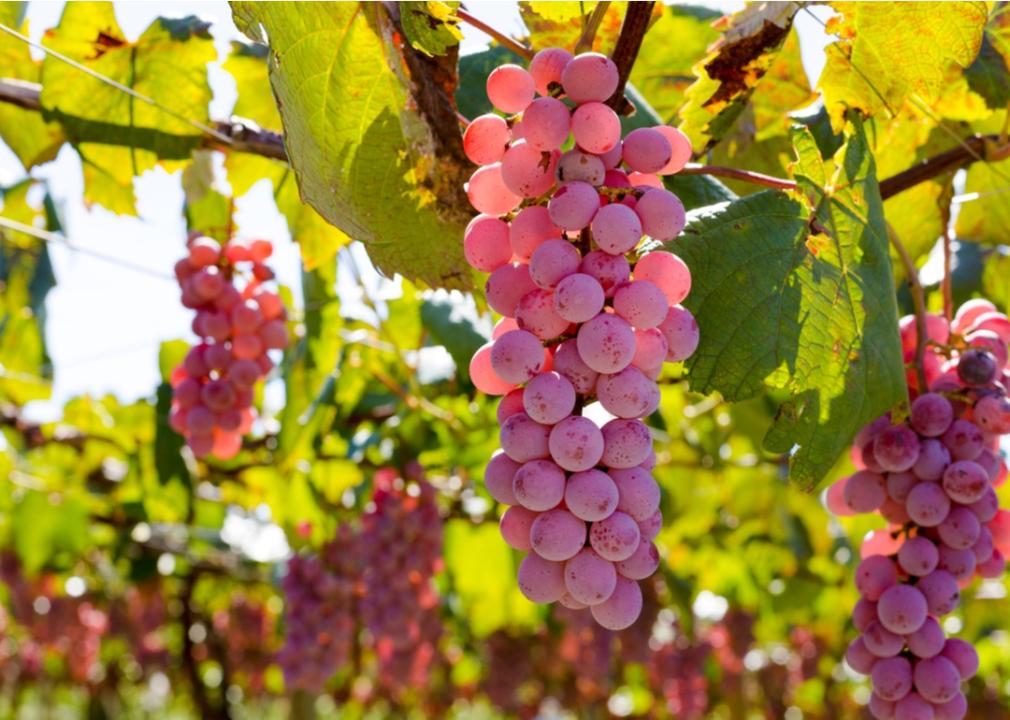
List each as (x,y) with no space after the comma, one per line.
(431,26)
(988,75)
(360,155)
(560,11)
(813,315)
(43,527)
(994,280)
(247,63)
(167,442)
(207,210)
(453,322)
(471,96)
(985,217)
(892,50)
(561,24)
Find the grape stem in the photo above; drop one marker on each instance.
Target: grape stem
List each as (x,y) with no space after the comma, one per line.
(945,283)
(919,302)
(755,178)
(636,22)
(517,47)
(585,43)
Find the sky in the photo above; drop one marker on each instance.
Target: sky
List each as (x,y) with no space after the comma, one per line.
(105,322)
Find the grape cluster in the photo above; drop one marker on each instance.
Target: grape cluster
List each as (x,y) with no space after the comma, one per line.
(932,476)
(320,620)
(401,550)
(246,629)
(580,323)
(213,388)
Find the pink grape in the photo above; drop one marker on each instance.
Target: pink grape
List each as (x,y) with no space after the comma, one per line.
(549,398)
(509,405)
(591,495)
(527,171)
(976,367)
(274,334)
(207,283)
(902,609)
(647,150)
(616,229)
(864,491)
(834,498)
(680,149)
(576,444)
(531,227)
(546,67)
(558,535)
(569,363)
(552,262)
(546,124)
(650,352)
(573,205)
(510,88)
(874,575)
(680,330)
(538,485)
(969,311)
(965,481)
(535,313)
(892,678)
(486,243)
(622,608)
(983,547)
(246,347)
(896,448)
(859,658)
(609,270)
(937,679)
(994,567)
(879,542)
(986,507)
(879,708)
(641,303)
(589,578)
(498,478)
(627,443)
(864,613)
(928,640)
(483,376)
(936,330)
(568,601)
(488,192)
(204,251)
(954,709)
(485,139)
(612,158)
(644,180)
(881,642)
(517,356)
(900,484)
(894,512)
(638,492)
(200,420)
(959,563)
(918,556)
(578,165)
(931,414)
(963,655)
(541,581)
(941,592)
(628,393)
(961,528)
(596,127)
(578,297)
(927,504)
(589,77)
(606,343)
(523,440)
(932,461)
(913,707)
(650,528)
(515,527)
(964,440)
(661,213)
(640,564)
(993,414)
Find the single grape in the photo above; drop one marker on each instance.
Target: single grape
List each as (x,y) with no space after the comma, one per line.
(546,68)
(510,88)
(874,575)
(965,481)
(928,640)
(578,297)
(641,303)
(881,642)
(527,171)
(964,439)
(667,271)
(628,393)
(552,262)
(927,504)
(680,149)
(937,679)
(589,77)
(622,608)
(963,655)
(680,330)
(596,127)
(902,609)
(638,492)
(959,563)
(897,448)
(900,484)
(892,678)
(859,658)
(522,439)
(879,708)
(640,564)
(498,478)
(546,124)
(976,367)
(591,495)
(576,444)
(650,352)
(931,414)
(583,166)
(834,498)
(647,150)
(865,491)
(538,485)
(954,709)
(932,461)
(558,535)
(509,405)
(485,139)
(960,529)
(517,356)
(918,556)
(589,578)
(573,205)
(541,581)
(569,363)
(531,227)
(644,180)
(482,373)
(609,270)
(488,192)
(515,527)
(992,413)
(661,213)
(913,707)
(204,252)
(616,229)
(864,613)
(606,343)
(535,313)
(549,398)
(627,443)
(941,592)
(650,528)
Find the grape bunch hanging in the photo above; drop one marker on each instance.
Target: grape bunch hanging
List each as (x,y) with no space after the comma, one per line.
(239,321)
(564,202)
(932,475)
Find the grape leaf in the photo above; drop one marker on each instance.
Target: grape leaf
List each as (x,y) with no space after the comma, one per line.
(781,308)
(247,63)
(431,27)
(988,75)
(891,50)
(986,218)
(362,158)
(454,322)
(560,24)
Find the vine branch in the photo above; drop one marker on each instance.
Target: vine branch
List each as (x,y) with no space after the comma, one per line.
(919,302)
(754,178)
(517,47)
(636,22)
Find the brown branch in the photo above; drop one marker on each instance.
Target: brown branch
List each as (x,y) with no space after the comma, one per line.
(977,147)
(945,282)
(585,43)
(636,22)
(516,47)
(755,178)
(919,301)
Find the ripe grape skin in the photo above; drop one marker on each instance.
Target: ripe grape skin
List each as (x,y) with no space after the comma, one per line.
(569,363)
(931,414)
(576,444)
(646,150)
(960,529)
(609,270)
(662,214)
(680,330)
(528,172)
(510,88)
(486,243)
(928,640)
(506,286)
(913,707)
(644,180)
(650,528)
(485,139)
(538,485)
(859,658)
(864,613)
(928,504)
(557,535)
(483,376)
(622,608)
(615,537)
(523,439)
(874,575)
(541,581)
(616,229)
(591,495)
(892,678)
(535,313)
(531,227)
(578,297)
(959,563)
(965,481)
(918,556)
(964,440)
(488,192)
(606,343)
(879,708)
(589,578)
(937,679)
(680,149)
(896,448)
(902,609)
(932,461)
(627,443)
(517,356)
(638,492)
(954,709)
(864,492)
(628,393)
(596,127)
(589,77)
(546,123)
(641,303)
(510,404)
(573,205)
(963,655)
(498,478)
(941,592)
(880,641)
(640,564)
(546,67)
(549,398)
(650,352)
(552,262)
(515,527)
(579,165)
